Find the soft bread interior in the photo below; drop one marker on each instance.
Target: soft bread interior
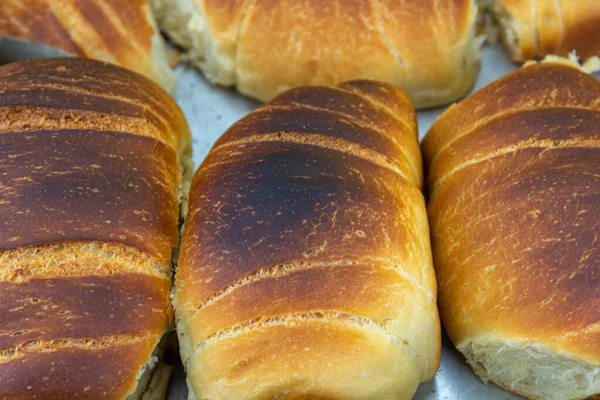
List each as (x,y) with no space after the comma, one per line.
(184,23)
(153,377)
(525,367)
(158,386)
(507,29)
(591,66)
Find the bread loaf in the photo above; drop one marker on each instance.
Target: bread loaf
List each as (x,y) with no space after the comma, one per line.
(91,163)
(305,268)
(116,31)
(514,182)
(535,28)
(264,47)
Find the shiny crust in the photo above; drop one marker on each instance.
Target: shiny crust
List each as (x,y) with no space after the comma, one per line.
(83,94)
(83,185)
(86,370)
(123,33)
(91,167)
(266,47)
(308,213)
(535,28)
(47,310)
(514,194)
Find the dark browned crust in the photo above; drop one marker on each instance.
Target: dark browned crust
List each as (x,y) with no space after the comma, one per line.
(86,307)
(78,84)
(258,204)
(269,120)
(89,174)
(308,215)
(98,370)
(372,118)
(354,106)
(86,185)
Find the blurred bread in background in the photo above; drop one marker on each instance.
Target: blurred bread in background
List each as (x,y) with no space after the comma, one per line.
(532,29)
(120,32)
(264,47)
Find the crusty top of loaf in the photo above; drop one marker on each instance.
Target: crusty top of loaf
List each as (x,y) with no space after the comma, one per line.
(307,240)
(89,171)
(513,178)
(516,92)
(86,94)
(120,32)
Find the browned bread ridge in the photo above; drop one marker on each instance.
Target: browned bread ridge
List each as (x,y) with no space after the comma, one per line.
(117,31)
(514,182)
(91,165)
(265,47)
(305,267)
(534,28)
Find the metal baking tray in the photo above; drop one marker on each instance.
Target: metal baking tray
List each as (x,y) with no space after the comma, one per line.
(210,110)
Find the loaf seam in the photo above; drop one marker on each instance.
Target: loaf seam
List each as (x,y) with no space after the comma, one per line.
(357,321)
(41,346)
(547,144)
(498,116)
(353,120)
(318,140)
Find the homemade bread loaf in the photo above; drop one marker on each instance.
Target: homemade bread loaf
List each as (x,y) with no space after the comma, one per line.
(514,183)
(305,268)
(535,28)
(116,31)
(264,47)
(91,164)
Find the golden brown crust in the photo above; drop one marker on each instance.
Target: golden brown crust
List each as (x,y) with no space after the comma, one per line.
(535,28)
(50,31)
(104,369)
(122,33)
(91,167)
(518,91)
(514,184)
(266,47)
(315,363)
(310,204)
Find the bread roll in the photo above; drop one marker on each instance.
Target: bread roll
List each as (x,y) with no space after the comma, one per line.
(535,28)
(305,268)
(91,163)
(514,182)
(120,32)
(264,47)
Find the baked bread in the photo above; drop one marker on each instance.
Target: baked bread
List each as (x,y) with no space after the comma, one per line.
(514,210)
(305,268)
(120,32)
(91,163)
(426,47)
(534,28)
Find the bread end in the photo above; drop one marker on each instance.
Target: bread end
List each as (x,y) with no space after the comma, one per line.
(531,370)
